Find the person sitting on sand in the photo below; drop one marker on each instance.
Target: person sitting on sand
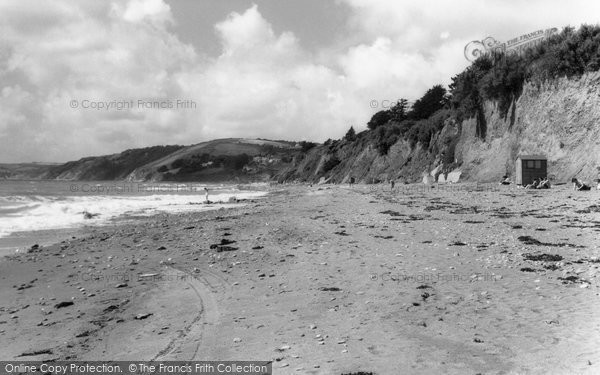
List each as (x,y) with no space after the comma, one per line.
(533,185)
(544,183)
(505,180)
(579,186)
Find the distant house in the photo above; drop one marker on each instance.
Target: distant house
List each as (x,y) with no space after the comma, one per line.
(530,167)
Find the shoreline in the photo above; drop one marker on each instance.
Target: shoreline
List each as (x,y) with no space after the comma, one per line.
(325,279)
(20,241)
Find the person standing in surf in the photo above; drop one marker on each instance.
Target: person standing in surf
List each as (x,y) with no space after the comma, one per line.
(206,197)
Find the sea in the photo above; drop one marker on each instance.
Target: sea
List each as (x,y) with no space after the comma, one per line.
(43,212)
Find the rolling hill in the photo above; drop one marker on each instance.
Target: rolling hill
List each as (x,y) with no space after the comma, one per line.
(222,160)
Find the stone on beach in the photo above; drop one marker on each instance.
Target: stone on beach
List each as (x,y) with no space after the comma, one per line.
(60,305)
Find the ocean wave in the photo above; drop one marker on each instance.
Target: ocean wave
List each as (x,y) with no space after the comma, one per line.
(31,213)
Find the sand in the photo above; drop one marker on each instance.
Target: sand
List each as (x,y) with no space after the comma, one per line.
(326,280)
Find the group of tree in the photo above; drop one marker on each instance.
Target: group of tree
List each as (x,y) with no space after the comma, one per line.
(499,78)
(434,99)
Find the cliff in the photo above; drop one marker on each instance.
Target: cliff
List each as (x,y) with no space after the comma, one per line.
(559,118)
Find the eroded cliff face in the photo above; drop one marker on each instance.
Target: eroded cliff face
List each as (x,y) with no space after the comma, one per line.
(362,161)
(560,119)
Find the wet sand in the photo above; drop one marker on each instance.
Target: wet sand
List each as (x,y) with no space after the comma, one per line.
(326,280)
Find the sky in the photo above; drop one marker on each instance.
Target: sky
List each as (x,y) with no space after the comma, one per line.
(86,77)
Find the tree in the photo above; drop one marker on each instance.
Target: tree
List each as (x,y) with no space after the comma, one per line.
(330,163)
(399,112)
(305,146)
(434,99)
(350,134)
(378,119)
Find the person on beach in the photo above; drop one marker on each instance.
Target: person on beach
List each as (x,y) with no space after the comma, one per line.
(206,197)
(351,181)
(505,180)
(598,184)
(533,185)
(392,183)
(544,183)
(579,186)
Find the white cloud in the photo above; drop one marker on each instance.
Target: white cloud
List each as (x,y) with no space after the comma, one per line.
(138,10)
(265,84)
(97,54)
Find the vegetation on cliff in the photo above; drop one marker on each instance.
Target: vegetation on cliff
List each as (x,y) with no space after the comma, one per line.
(501,77)
(498,78)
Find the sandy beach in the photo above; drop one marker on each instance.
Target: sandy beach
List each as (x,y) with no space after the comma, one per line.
(326,280)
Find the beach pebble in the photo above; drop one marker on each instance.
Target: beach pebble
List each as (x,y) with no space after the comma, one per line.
(142,316)
(63,304)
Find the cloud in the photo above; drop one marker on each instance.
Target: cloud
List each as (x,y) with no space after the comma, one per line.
(139,10)
(263,83)
(96,53)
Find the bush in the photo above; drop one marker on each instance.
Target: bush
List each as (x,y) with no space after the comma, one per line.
(434,99)
(178,163)
(380,118)
(305,146)
(422,131)
(330,163)
(387,136)
(237,162)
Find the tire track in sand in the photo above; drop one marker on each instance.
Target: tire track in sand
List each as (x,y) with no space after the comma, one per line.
(202,329)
